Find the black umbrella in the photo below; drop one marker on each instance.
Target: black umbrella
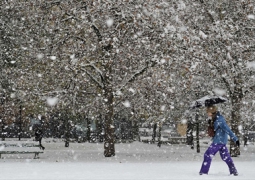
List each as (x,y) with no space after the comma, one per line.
(207,101)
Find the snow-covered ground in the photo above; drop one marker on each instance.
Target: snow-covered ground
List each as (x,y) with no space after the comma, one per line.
(133,161)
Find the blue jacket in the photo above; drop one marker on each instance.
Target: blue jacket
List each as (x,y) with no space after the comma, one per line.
(222,131)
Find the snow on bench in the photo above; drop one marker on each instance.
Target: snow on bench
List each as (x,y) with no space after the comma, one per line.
(20,147)
(172,140)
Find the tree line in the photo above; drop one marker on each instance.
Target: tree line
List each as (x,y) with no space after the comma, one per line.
(150,57)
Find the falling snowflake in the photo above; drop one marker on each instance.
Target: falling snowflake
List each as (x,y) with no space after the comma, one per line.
(251,16)
(202,34)
(52,101)
(162,61)
(251,64)
(219,91)
(72,56)
(240,128)
(39,56)
(53,58)
(109,22)
(132,90)
(13,95)
(162,108)
(184,121)
(118,93)
(126,103)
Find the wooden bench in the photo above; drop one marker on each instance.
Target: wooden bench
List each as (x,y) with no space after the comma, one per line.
(177,140)
(20,147)
(171,140)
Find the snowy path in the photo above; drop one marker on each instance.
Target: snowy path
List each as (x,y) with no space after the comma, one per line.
(121,171)
(135,161)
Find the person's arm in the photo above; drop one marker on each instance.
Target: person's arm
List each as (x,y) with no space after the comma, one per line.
(223,125)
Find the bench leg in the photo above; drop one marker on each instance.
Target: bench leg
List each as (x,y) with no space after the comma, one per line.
(36,156)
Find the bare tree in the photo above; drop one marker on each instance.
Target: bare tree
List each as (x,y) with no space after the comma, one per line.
(156,55)
(222,50)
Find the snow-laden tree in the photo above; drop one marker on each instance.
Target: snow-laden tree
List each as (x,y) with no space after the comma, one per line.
(221,45)
(151,58)
(73,48)
(11,48)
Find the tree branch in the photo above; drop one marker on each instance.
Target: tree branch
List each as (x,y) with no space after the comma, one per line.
(92,77)
(227,84)
(99,36)
(252,88)
(101,85)
(206,9)
(251,49)
(138,73)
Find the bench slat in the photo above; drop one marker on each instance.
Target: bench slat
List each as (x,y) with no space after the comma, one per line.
(19,143)
(31,149)
(18,147)
(20,152)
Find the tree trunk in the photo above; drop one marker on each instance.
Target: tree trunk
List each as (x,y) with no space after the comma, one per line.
(236,118)
(88,131)
(189,133)
(154,134)
(234,150)
(109,149)
(159,135)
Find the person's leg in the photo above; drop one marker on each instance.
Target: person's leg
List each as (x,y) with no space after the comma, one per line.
(40,144)
(209,153)
(225,156)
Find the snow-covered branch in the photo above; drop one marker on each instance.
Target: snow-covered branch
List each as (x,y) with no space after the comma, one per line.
(93,78)
(138,73)
(50,93)
(207,11)
(250,49)
(97,71)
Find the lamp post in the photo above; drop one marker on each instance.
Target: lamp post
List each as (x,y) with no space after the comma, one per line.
(2,126)
(2,117)
(197,120)
(20,97)
(20,121)
(197,132)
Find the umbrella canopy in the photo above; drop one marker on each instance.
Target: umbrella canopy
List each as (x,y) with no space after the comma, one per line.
(207,101)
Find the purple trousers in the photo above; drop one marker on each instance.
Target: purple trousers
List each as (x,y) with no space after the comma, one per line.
(224,154)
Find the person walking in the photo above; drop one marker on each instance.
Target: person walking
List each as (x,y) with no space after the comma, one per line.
(39,136)
(219,142)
